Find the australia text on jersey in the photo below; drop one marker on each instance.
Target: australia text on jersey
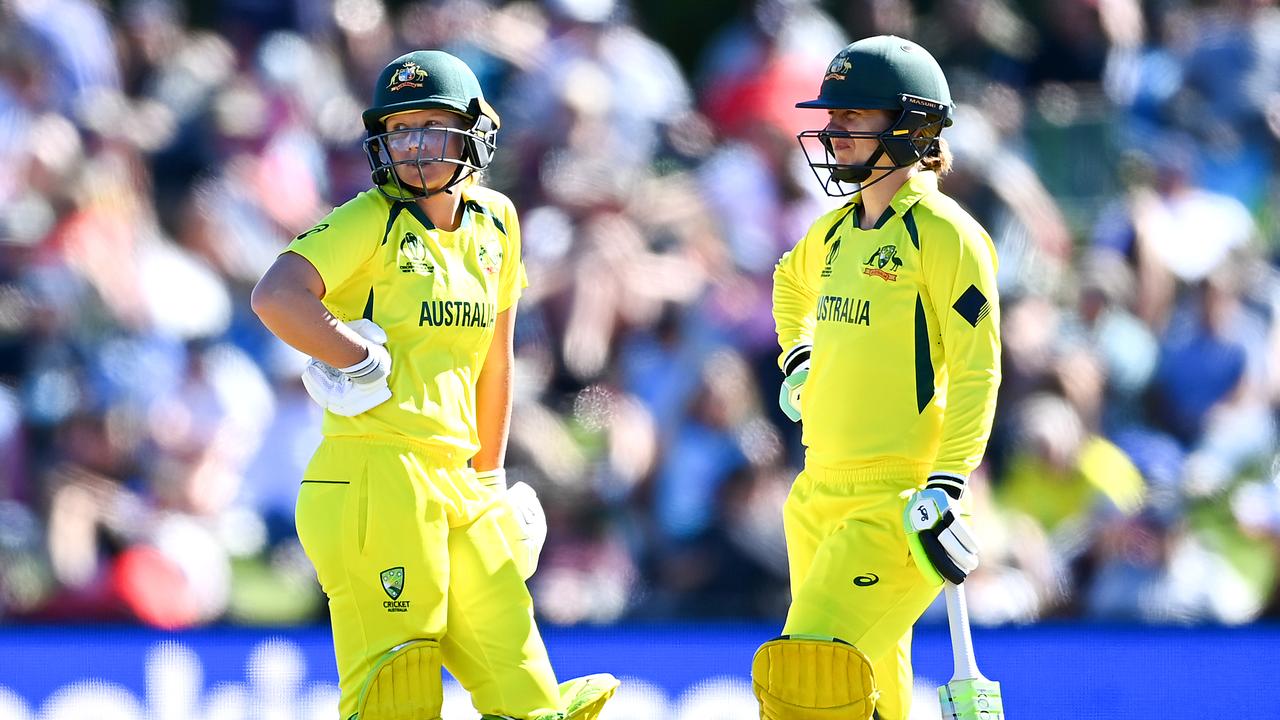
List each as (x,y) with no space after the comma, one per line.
(456,313)
(834,308)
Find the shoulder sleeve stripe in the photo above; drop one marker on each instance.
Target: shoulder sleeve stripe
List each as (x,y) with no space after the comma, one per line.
(839,221)
(477,207)
(418,215)
(391,219)
(910,221)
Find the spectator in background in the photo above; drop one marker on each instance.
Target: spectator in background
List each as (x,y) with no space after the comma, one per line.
(1064,476)
(654,201)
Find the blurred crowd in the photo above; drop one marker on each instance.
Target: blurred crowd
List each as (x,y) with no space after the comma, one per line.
(155,156)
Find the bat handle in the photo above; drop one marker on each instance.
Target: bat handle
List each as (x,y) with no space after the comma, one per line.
(966,665)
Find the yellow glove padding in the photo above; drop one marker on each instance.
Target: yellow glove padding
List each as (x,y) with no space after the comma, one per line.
(810,679)
(404,685)
(585,697)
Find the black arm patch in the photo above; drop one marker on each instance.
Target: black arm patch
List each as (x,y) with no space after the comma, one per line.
(972,306)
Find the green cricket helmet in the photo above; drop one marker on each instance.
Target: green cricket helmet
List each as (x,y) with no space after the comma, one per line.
(885,72)
(424,80)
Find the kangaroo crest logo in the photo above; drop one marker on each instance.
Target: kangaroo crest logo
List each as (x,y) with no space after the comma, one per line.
(838,69)
(490,259)
(885,255)
(408,76)
(393,581)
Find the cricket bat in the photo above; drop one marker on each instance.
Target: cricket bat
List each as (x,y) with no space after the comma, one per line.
(969,695)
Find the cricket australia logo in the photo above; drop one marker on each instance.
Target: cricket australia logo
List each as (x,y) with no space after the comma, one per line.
(831,257)
(393,583)
(408,76)
(839,69)
(413,256)
(886,255)
(490,259)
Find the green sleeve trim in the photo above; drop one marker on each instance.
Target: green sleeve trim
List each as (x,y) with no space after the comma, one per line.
(910,221)
(924,364)
(391,220)
(417,213)
(831,232)
(477,207)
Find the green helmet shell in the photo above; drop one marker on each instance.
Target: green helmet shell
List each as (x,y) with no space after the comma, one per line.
(423,80)
(875,72)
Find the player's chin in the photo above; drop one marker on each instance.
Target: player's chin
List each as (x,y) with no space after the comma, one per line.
(438,175)
(850,156)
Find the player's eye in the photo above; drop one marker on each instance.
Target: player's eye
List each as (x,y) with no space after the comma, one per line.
(403,139)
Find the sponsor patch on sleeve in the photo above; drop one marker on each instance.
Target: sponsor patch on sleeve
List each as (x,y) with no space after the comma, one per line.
(972,306)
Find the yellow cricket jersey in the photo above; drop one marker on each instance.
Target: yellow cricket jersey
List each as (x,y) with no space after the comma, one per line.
(437,294)
(904,321)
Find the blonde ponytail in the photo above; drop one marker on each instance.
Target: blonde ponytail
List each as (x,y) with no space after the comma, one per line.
(938,159)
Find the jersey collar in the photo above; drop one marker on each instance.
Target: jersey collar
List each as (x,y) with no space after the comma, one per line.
(913,190)
(416,211)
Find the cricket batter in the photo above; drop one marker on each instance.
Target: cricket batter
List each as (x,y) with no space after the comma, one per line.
(405,297)
(887,315)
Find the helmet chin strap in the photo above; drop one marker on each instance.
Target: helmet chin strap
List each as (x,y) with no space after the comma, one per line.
(422,193)
(858,174)
(448,187)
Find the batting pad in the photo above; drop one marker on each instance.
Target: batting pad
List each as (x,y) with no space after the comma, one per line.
(808,679)
(404,685)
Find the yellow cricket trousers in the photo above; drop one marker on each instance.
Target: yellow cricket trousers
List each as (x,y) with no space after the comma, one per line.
(852,576)
(407,545)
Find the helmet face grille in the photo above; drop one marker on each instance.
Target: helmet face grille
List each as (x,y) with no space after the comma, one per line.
(418,149)
(904,143)
(879,73)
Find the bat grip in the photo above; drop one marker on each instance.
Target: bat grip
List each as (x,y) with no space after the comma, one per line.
(966,665)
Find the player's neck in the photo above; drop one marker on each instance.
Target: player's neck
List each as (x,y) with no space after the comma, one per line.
(444,209)
(877,196)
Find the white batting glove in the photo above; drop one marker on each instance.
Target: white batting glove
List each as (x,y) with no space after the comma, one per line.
(941,544)
(356,389)
(525,526)
(796,369)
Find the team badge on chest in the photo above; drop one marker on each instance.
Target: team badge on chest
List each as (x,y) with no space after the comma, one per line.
(490,258)
(884,257)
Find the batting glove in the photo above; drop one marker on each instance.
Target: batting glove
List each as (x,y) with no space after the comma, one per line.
(941,544)
(353,390)
(796,368)
(525,526)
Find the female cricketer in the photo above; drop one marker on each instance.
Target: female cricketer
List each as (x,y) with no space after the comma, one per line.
(405,297)
(887,315)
